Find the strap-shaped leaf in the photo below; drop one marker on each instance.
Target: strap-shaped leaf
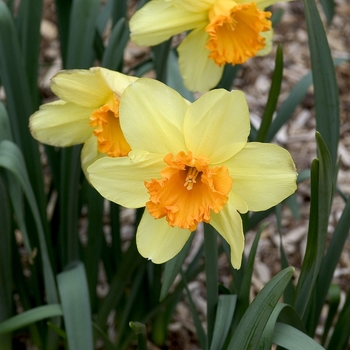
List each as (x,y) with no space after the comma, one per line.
(31,316)
(293,339)
(325,84)
(74,295)
(251,327)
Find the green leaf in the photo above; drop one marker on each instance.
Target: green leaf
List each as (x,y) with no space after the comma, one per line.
(325,84)
(82,24)
(272,100)
(321,198)
(289,316)
(114,52)
(19,103)
(74,295)
(333,304)
(211,273)
(174,79)
(332,257)
(224,314)
(6,271)
(196,320)
(341,331)
(173,268)
(249,330)
(329,9)
(5,127)
(12,160)
(28,25)
(293,339)
(31,316)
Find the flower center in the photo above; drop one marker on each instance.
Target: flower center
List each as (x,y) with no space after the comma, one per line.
(234,31)
(188,190)
(110,137)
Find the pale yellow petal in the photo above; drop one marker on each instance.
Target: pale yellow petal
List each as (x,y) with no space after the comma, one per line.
(263,175)
(199,72)
(117,82)
(217,125)
(61,124)
(159,20)
(121,180)
(83,87)
(158,241)
(194,6)
(229,224)
(89,154)
(151,116)
(268,43)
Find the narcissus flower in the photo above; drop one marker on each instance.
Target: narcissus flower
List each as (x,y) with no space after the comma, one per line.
(87,112)
(222,31)
(191,163)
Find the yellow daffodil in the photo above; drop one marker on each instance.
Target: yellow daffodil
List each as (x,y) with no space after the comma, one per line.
(87,112)
(191,163)
(222,31)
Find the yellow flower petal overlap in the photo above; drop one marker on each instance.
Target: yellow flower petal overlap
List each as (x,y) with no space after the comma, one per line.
(87,112)
(221,32)
(191,163)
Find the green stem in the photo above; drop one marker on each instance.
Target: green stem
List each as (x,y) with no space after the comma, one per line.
(211,271)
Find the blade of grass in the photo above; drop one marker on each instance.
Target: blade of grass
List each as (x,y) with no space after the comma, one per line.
(325,84)
(74,295)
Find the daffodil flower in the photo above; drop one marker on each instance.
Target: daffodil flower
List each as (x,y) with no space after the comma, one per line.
(87,112)
(191,163)
(222,31)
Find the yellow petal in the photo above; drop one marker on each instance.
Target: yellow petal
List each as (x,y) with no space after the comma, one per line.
(263,175)
(194,6)
(61,124)
(89,154)
(158,241)
(217,125)
(116,81)
(83,87)
(159,20)
(229,224)
(151,116)
(199,72)
(268,43)
(121,180)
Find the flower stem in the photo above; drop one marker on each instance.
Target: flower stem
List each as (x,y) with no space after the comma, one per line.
(211,271)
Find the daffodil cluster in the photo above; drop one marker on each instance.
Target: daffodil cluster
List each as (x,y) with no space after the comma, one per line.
(190,163)
(221,32)
(187,163)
